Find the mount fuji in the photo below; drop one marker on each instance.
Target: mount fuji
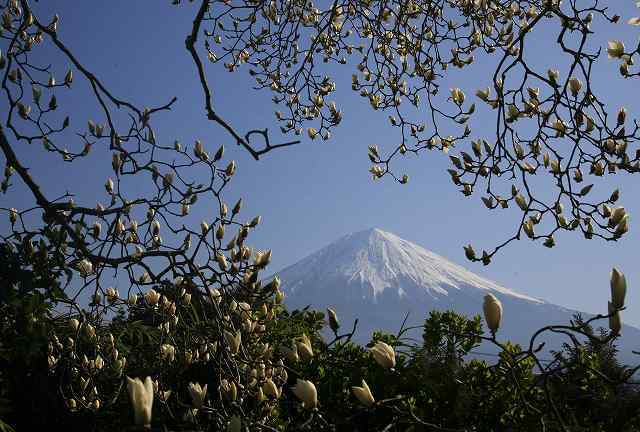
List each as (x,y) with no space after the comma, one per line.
(378,277)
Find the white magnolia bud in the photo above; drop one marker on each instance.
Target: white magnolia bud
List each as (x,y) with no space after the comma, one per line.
(99,362)
(231,168)
(222,261)
(615,322)
(575,85)
(74,324)
(334,324)
(85,267)
(198,394)
(363,394)
(618,288)
(384,355)
(141,396)
(305,348)
(112,295)
(152,297)
(270,389)
(167,352)
(155,227)
(109,186)
(306,392)
(214,295)
(522,202)
(492,308)
(233,340)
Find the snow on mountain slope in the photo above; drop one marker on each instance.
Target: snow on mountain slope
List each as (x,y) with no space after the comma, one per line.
(379,278)
(381,259)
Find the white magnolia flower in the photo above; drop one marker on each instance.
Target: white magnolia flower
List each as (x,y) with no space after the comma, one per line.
(457,96)
(99,362)
(152,297)
(575,85)
(306,392)
(141,395)
(233,340)
(615,49)
(384,355)
(270,389)
(304,347)
(85,267)
(215,296)
(364,394)
(198,394)
(112,294)
(167,352)
(74,324)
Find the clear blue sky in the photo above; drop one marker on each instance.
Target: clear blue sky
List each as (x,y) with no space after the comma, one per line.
(314,193)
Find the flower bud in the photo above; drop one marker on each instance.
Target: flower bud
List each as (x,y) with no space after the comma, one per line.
(618,288)
(522,202)
(334,324)
(99,362)
(492,309)
(141,396)
(363,394)
(231,169)
(204,227)
(74,324)
(233,340)
(270,389)
(306,392)
(305,348)
(384,355)
(198,394)
(152,297)
(112,295)
(615,322)
(167,352)
(575,85)
(13,215)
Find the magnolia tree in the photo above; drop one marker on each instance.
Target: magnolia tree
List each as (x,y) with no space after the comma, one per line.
(179,330)
(549,123)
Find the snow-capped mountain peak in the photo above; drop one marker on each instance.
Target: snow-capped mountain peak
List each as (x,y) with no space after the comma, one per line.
(386,282)
(382,261)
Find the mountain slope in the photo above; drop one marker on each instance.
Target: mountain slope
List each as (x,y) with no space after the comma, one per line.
(378,277)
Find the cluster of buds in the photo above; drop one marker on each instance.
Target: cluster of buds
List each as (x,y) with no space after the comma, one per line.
(618,219)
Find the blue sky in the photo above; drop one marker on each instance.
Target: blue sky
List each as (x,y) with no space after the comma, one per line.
(314,193)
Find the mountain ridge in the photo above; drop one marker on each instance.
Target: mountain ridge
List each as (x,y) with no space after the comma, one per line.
(431,270)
